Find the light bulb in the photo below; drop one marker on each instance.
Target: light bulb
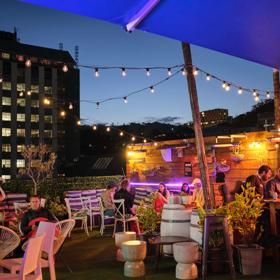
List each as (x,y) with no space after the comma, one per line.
(65,68)
(155,144)
(267,95)
(208,77)
(255,92)
(108,129)
(148,72)
(227,88)
(46,101)
(79,122)
(96,72)
(257,98)
(21,94)
(94,127)
(28,63)
(183,70)
(133,138)
(121,133)
(224,84)
(1,79)
(169,73)
(29,93)
(152,89)
(123,72)
(145,141)
(70,106)
(125,99)
(240,91)
(62,113)
(195,72)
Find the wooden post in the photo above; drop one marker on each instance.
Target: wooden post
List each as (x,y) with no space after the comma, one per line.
(197,125)
(276,107)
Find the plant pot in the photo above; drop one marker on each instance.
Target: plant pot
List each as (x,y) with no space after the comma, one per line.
(151,249)
(216,256)
(250,259)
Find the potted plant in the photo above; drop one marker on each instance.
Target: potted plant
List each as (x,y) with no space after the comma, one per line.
(244,214)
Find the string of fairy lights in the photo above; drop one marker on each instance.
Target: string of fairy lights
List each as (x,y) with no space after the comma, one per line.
(171,71)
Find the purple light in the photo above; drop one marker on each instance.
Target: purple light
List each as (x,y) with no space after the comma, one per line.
(156,184)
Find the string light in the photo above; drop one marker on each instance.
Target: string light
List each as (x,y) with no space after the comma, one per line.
(227,88)
(123,72)
(267,95)
(208,77)
(97,105)
(148,72)
(46,101)
(70,106)
(240,91)
(94,127)
(195,72)
(152,89)
(121,133)
(78,122)
(125,100)
(28,63)
(21,94)
(133,138)
(62,113)
(169,73)
(96,72)
(255,92)
(224,84)
(155,144)
(257,98)
(1,79)
(108,129)
(65,68)
(183,71)
(145,141)
(29,93)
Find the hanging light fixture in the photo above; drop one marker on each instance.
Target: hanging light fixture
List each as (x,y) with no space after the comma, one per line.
(65,68)
(28,92)
(28,63)
(148,72)
(255,92)
(94,127)
(195,71)
(208,77)
(152,89)
(62,113)
(78,122)
(108,129)
(97,105)
(125,99)
(240,90)
(169,73)
(183,71)
(267,95)
(70,106)
(96,72)
(133,138)
(121,133)
(123,72)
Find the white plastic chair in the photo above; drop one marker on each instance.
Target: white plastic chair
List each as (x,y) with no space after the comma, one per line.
(30,262)
(120,215)
(9,240)
(80,214)
(103,217)
(92,211)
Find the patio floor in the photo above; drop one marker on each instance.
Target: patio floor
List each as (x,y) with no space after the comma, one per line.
(94,258)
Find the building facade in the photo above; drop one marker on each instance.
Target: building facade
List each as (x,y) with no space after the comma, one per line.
(39,89)
(213,117)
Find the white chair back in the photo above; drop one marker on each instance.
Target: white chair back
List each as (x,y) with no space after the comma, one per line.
(21,207)
(48,229)
(119,208)
(32,257)
(9,240)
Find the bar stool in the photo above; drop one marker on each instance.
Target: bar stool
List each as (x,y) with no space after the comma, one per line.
(214,223)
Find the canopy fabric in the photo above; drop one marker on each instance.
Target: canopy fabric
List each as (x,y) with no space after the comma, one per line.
(248,29)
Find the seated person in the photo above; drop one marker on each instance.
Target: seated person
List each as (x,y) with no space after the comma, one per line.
(33,216)
(161,197)
(124,193)
(107,199)
(185,190)
(272,190)
(198,196)
(2,193)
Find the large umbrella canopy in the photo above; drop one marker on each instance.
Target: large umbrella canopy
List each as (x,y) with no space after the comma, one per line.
(248,29)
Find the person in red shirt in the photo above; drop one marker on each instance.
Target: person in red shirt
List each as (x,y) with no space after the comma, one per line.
(161,197)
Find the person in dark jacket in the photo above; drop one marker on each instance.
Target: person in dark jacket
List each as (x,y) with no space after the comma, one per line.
(259,181)
(124,193)
(273,187)
(33,216)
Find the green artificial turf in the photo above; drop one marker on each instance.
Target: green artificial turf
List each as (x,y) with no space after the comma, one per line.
(94,258)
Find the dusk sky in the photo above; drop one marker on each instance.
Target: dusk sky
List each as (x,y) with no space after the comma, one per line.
(104,44)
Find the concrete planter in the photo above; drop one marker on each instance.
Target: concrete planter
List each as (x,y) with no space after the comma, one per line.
(121,237)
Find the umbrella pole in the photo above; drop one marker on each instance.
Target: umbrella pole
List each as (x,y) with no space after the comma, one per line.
(277,107)
(197,126)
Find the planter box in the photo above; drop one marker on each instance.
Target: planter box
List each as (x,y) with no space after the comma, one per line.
(250,259)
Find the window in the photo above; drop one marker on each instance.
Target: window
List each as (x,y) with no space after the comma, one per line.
(6,177)
(34,118)
(21,102)
(6,163)
(6,132)
(21,117)
(48,119)
(20,132)
(6,85)
(20,87)
(48,133)
(20,148)
(6,148)
(35,88)
(20,163)
(48,90)
(6,101)
(6,55)
(34,133)
(6,116)
(35,103)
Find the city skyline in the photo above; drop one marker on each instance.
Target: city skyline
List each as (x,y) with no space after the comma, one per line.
(104,44)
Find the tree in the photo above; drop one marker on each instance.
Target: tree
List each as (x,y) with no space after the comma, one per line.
(39,164)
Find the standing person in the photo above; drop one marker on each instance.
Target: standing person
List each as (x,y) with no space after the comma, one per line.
(198,196)
(161,197)
(124,193)
(33,216)
(272,189)
(260,179)
(107,199)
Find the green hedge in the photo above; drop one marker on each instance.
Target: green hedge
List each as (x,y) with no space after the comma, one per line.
(56,187)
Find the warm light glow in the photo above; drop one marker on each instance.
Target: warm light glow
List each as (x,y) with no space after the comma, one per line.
(148,72)
(121,133)
(274,139)
(108,129)
(62,113)
(46,101)
(169,73)
(70,106)
(96,72)
(254,92)
(123,72)
(1,79)
(29,92)
(240,91)
(227,88)
(94,127)
(133,138)
(28,63)
(257,98)
(224,85)
(195,72)
(255,145)
(132,242)
(145,141)
(130,153)
(155,144)
(79,122)
(65,68)
(276,146)
(21,94)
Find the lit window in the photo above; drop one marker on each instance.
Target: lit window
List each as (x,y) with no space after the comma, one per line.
(35,88)
(21,117)
(6,177)
(21,102)
(48,90)
(6,132)
(6,163)
(6,116)
(48,119)
(20,87)
(34,118)
(6,148)
(20,148)
(6,55)
(48,133)
(6,101)
(20,132)
(6,86)
(34,132)
(20,163)
(35,103)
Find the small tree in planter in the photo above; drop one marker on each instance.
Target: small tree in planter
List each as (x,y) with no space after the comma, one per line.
(39,165)
(244,214)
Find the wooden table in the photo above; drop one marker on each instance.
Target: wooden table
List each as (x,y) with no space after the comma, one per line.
(273,205)
(159,241)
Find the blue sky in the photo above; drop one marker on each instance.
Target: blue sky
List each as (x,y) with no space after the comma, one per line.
(105,44)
